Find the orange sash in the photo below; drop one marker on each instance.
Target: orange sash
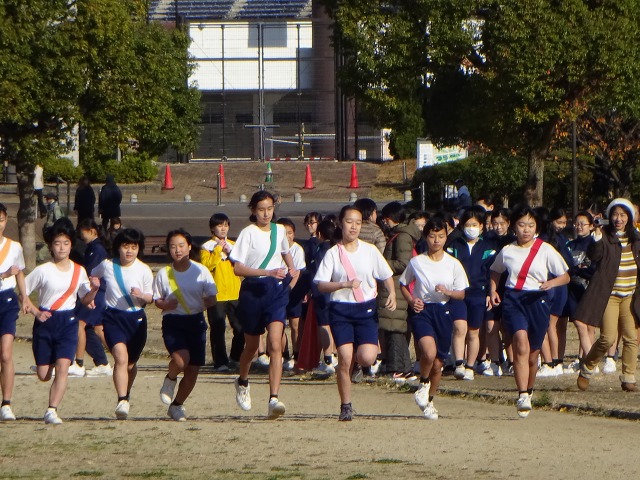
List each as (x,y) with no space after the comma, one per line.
(5,251)
(72,288)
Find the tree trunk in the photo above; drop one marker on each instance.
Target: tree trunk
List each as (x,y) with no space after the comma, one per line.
(537,155)
(27,218)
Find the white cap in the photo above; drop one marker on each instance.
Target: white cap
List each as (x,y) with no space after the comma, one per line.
(621,202)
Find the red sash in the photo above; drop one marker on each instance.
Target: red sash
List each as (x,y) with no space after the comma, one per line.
(524,271)
(72,288)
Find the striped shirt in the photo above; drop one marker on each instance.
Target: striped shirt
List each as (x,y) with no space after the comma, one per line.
(625,283)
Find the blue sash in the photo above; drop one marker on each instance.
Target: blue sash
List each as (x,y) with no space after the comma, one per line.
(117,272)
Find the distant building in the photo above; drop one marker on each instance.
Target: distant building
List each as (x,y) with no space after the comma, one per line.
(267,73)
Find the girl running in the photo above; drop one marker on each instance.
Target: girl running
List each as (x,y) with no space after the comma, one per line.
(438,278)
(129,289)
(525,308)
(183,290)
(264,294)
(348,272)
(55,328)
(11,275)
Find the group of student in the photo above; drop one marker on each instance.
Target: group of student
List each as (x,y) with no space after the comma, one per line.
(465,288)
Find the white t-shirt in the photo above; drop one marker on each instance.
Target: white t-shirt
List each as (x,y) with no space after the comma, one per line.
(210,244)
(253,244)
(14,257)
(297,253)
(427,274)
(38,182)
(195,283)
(368,263)
(51,283)
(547,261)
(138,274)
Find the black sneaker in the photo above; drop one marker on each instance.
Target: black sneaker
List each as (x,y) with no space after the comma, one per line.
(346,413)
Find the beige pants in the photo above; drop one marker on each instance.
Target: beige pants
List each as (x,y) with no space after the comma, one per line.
(617,316)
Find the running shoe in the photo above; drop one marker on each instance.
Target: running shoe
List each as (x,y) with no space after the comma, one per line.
(167,390)
(495,370)
(243,395)
(523,406)
(6,414)
(51,417)
(357,375)
(122,410)
(276,409)
(76,370)
(482,367)
(609,365)
(288,365)
(263,360)
(100,371)
(326,368)
(558,370)
(176,412)
(430,412)
(545,371)
(422,396)
(346,413)
(375,368)
(573,367)
(468,374)
(459,372)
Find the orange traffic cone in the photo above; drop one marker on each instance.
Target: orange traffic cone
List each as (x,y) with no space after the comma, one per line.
(223,182)
(308,181)
(354,177)
(168,181)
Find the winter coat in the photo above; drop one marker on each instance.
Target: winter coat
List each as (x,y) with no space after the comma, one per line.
(109,199)
(372,233)
(606,253)
(85,201)
(398,251)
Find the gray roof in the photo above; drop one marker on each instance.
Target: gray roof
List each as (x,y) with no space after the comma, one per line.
(191,10)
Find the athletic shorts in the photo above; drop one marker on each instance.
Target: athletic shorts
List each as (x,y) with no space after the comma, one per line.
(355,323)
(9,312)
(476,310)
(457,309)
(558,300)
(93,316)
(262,300)
(55,338)
(321,306)
(526,310)
(186,332)
(434,321)
(125,327)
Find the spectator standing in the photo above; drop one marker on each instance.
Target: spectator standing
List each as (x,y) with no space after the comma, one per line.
(109,201)
(53,212)
(38,187)
(85,200)
(464,197)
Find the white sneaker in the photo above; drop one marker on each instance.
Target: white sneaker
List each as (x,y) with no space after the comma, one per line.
(375,368)
(122,410)
(263,360)
(483,367)
(573,367)
(166,392)
(558,370)
(523,405)
(468,374)
(51,417)
(76,370)
(325,368)
(430,412)
(609,365)
(495,370)
(288,365)
(176,412)
(422,396)
(100,371)
(243,396)
(6,414)
(545,371)
(276,409)
(459,372)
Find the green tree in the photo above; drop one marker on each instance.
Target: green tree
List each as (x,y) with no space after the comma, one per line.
(501,74)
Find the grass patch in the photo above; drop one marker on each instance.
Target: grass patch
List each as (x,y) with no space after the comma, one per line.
(88,473)
(542,399)
(146,474)
(388,460)
(357,475)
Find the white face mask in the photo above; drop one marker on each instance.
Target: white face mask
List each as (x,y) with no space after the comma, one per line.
(472,232)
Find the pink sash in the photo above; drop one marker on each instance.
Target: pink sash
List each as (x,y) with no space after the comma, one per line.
(351,273)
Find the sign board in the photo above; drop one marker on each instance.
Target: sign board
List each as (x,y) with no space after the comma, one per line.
(428,154)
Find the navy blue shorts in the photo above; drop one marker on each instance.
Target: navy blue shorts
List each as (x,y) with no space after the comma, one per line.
(457,309)
(186,332)
(526,310)
(55,338)
(574,295)
(9,311)
(321,306)
(129,328)
(92,316)
(476,310)
(294,310)
(434,321)
(297,294)
(355,323)
(558,300)
(262,300)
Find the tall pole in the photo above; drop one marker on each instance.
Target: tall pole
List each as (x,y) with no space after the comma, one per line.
(574,167)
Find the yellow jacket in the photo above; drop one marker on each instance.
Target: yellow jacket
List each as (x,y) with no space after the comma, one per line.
(228,283)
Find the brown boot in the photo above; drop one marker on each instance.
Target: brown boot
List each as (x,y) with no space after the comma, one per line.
(629,387)
(583,382)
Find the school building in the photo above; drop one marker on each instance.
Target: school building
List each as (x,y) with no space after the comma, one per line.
(267,73)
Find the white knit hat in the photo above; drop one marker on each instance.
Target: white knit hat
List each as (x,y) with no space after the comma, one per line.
(622,202)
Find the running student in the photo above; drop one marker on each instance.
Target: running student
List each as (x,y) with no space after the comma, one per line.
(11,275)
(129,289)
(90,331)
(348,272)
(264,294)
(214,255)
(525,308)
(55,328)
(182,291)
(438,278)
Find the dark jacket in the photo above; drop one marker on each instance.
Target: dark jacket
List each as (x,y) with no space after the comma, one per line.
(398,250)
(109,199)
(84,204)
(476,263)
(606,253)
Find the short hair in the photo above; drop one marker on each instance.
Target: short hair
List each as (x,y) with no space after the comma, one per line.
(586,214)
(115,220)
(366,206)
(446,217)
(218,219)
(287,222)
(126,237)
(62,226)
(179,232)
(89,224)
(256,198)
(326,229)
(394,211)
(419,214)
(3,209)
(434,224)
(523,210)
(312,215)
(345,209)
(503,212)
(477,213)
